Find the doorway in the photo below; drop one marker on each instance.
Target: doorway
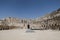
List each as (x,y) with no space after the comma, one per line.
(28,26)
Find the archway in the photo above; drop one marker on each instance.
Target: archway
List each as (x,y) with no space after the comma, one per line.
(28,26)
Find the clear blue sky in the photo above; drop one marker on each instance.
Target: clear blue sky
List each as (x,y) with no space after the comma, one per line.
(27,8)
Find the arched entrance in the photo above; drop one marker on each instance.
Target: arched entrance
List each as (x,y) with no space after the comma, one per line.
(28,26)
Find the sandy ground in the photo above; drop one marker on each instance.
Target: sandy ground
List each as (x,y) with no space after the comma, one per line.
(21,34)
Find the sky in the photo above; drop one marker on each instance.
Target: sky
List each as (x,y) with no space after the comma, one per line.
(27,8)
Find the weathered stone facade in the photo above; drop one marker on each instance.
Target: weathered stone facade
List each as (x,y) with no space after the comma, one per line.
(50,21)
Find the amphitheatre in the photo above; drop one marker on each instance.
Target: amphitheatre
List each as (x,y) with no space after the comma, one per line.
(42,28)
(49,21)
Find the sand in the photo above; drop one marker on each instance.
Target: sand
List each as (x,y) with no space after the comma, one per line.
(21,34)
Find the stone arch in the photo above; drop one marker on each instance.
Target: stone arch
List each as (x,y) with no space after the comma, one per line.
(28,26)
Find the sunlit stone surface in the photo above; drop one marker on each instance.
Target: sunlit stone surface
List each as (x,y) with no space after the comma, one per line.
(21,34)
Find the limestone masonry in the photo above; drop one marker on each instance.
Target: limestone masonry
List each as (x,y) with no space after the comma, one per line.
(49,21)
